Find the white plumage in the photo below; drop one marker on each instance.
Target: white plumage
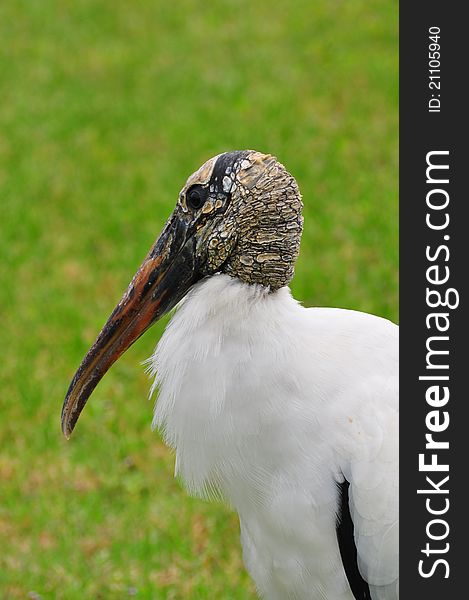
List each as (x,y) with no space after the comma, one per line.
(273,404)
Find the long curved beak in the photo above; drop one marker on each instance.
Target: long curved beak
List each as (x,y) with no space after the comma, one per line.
(162,280)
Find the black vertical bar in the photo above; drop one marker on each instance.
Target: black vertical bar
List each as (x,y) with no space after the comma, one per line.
(433,118)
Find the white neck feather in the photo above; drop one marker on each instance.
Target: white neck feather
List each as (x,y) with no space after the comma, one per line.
(213,373)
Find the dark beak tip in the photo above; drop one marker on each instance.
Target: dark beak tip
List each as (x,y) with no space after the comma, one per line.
(66,429)
(67,422)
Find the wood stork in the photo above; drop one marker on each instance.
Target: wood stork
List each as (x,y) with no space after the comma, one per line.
(289,413)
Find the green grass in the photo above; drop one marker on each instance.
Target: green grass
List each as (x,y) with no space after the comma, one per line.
(106,107)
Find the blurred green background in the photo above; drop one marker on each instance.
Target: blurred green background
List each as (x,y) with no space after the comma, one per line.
(106,108)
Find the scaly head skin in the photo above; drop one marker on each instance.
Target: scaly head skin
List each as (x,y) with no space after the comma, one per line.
(239,214)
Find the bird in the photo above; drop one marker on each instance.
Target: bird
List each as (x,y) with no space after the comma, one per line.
(288,413)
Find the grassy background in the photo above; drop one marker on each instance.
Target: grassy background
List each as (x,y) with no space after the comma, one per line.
(105,109)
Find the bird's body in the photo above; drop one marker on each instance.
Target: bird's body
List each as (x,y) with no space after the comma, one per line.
(273,405)
(289,413)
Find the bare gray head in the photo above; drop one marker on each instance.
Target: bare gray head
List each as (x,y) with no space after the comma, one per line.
(239,214)
(248,213)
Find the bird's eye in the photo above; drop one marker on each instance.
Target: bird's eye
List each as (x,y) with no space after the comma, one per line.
(196,197)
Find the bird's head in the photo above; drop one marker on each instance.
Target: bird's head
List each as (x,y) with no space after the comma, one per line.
(239,214)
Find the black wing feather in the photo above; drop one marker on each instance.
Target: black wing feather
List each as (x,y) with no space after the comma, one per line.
(348,550)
